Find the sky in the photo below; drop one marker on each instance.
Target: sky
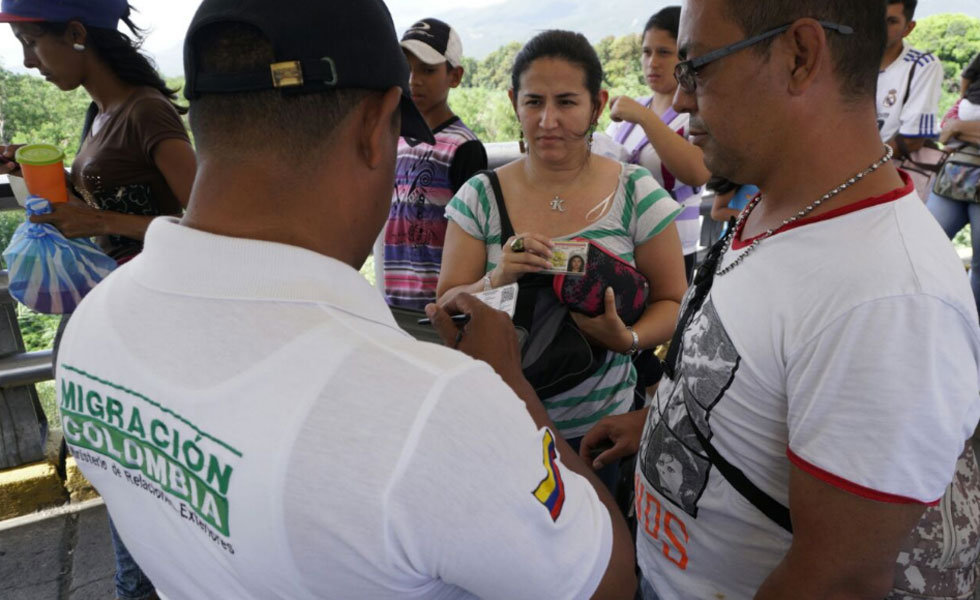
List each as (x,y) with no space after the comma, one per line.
(168,21)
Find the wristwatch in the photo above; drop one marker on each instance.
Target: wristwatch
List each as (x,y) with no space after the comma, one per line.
(635,347)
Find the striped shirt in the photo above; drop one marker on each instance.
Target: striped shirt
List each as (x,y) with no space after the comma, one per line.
(641,209)
(642,153)
(425,178)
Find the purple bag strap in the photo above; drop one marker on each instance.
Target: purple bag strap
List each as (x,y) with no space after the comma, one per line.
(624,132)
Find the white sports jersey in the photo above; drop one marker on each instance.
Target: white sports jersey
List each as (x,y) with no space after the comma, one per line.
(916,116)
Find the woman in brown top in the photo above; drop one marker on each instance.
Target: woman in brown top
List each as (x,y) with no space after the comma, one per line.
(135,161)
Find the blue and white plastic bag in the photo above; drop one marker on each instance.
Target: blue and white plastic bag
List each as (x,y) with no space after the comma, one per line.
(48,272)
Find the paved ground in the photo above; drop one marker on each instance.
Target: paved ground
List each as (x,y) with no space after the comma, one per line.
(60,554)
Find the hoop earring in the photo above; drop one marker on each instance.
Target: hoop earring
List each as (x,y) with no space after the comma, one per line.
(521,145)
(78,47)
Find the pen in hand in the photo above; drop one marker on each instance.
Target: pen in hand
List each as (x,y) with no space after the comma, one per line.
(460,320)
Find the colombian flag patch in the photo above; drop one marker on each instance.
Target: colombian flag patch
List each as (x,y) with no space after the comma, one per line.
(551,491)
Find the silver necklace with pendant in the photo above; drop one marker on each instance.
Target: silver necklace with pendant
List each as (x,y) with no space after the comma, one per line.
(558,203)
(807,210)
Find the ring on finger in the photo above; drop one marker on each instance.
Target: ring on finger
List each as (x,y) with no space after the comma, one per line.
(517,245)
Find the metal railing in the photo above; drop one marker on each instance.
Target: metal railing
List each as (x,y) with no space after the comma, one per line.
(23,425)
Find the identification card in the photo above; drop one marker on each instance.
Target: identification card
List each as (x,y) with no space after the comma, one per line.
(569,258)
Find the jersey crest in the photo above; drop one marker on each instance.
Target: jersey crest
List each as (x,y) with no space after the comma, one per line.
(891,98)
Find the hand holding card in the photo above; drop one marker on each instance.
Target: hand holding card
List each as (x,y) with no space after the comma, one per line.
(568,258)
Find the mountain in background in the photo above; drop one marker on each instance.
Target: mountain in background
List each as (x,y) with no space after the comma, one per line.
(485,29)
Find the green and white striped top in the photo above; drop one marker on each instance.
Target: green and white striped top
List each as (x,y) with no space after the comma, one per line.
(640,210)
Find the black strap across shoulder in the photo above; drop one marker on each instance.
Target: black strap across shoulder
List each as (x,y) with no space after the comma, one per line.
(703,280)
(525,308)
(506,228)
(908,87)
(769,506)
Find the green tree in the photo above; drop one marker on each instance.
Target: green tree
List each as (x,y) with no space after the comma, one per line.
(33,110)
(620,58)
(470,68)
(487,112)
(955,40)
(493,71)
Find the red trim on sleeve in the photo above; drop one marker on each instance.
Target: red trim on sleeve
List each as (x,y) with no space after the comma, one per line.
(738,243)
(849,486)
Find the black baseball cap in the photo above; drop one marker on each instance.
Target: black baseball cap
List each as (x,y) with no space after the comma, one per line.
(434,42)
(319,46)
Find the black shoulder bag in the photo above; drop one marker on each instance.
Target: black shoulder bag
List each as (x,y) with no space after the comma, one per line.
(555,355)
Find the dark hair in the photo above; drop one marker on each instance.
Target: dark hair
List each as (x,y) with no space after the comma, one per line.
(123,56)
(857,57)
(908,7)
(566,45)
(667,19)
(246,123)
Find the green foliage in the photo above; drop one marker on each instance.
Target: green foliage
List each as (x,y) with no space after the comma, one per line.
(49,403)
(9,220)
(620,58)
(33,110)
(963,238)
(487,112)
(493,72)
(37,329)
(470,65)
(955,40)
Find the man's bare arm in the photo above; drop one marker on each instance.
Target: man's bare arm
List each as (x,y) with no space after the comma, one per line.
(905,146)
(966,131)
(844,545)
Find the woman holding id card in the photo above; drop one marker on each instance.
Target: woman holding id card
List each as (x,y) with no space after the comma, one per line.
(562,213)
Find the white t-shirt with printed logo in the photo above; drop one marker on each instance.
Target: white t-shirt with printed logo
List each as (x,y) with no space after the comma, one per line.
(916,117)
(260,427)
(847,346)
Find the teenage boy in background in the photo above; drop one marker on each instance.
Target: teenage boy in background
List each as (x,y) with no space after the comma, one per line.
(908,85)
(426,175)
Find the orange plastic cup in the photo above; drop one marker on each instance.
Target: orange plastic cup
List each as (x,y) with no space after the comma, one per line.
(44,172)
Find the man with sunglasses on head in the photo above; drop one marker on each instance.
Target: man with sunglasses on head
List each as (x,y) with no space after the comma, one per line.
(823,379)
